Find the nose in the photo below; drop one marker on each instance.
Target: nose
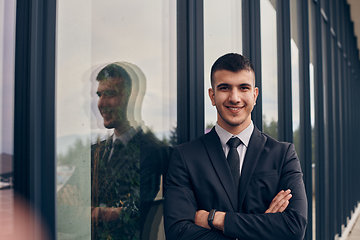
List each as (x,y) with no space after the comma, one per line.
(234,96)
(102,101)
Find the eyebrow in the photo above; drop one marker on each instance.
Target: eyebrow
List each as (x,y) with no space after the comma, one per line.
(240,85)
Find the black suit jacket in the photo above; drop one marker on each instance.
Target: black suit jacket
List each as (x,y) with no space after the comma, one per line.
(131,179)
(199,178)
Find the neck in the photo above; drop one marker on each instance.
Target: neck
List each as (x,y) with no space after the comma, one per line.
(235,130)
(122,129)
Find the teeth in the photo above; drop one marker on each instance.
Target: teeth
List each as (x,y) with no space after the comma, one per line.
(106,111)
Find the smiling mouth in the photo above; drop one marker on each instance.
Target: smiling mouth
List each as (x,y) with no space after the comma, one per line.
(235,109)
(106,112)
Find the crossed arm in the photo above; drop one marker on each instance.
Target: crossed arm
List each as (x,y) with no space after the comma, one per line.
(185,219)
(278,204)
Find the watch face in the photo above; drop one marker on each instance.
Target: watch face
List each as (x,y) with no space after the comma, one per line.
(211,215)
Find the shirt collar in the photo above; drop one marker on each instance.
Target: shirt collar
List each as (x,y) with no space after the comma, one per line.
(244,136)
(126,136)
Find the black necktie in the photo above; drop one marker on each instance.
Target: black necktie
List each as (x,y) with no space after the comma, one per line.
(108,146)
(117,147)
(234,159)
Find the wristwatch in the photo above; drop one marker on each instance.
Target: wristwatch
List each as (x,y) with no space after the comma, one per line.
(211,218)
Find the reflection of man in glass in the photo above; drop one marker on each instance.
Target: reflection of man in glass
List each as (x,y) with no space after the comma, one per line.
(126,167)
(113,99)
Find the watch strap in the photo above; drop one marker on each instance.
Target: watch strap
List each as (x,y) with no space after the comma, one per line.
(211,219)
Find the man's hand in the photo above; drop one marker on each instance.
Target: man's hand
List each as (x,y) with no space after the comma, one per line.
(105,214)
(280,202)
(201,217)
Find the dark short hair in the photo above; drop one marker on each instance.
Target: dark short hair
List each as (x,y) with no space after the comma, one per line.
(233,62)
(115,71)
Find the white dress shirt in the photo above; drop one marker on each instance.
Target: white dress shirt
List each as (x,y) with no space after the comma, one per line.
(244,136)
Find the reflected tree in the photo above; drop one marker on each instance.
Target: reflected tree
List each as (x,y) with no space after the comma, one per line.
(74,153)
(270,128)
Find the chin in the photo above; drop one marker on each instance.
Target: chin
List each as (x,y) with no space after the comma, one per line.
(109,125)
(236,123)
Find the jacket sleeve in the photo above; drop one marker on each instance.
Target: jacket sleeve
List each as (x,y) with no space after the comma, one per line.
(180,205)
(290,224)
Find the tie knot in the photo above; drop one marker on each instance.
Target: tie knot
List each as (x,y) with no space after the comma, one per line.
(118,145)
(117,142)
(234,142)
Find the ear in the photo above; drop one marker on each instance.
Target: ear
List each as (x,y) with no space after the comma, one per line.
(212,96)
(256,93)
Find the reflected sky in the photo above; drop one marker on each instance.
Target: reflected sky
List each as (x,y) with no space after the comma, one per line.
(93,34)
(269,61)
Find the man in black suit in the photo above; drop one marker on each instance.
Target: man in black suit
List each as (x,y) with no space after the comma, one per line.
(127,167)
(218,189)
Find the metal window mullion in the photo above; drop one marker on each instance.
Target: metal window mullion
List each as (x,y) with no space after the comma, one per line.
(34,161)
(319,132)
(339,165)
(190,70)
(251,32)
(334,116)
(335,126)
(305,109)
(331,133)
(285,132)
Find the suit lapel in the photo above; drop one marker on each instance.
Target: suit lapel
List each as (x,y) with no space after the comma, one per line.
(217,157)
(256,144)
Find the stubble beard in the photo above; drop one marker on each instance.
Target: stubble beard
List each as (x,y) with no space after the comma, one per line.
(232,123)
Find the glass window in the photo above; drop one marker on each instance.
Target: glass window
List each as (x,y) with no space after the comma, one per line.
(7,53)
(295,75)
(222,34)
(269,66)
(312,69)
(115,116)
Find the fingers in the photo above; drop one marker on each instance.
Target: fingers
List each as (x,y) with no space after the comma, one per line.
(280,202)
(284,205)
(105,214)
(113,214)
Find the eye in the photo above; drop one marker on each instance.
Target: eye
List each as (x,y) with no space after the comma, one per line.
(244,88)
(223,88)
(109,93)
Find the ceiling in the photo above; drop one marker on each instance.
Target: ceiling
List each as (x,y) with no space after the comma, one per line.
(355,17)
